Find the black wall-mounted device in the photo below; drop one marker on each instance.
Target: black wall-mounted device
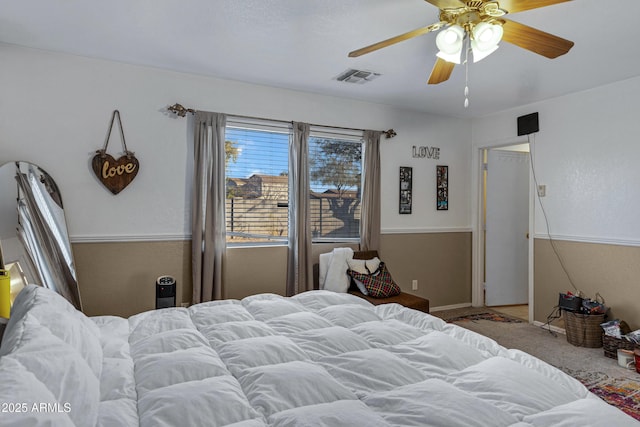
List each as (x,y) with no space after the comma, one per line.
(528,124)
(165,292)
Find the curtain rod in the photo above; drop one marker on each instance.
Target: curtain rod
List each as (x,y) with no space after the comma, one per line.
(182,111)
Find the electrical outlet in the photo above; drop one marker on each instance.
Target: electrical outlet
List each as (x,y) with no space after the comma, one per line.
(542,190)
(414,285)
(184,304)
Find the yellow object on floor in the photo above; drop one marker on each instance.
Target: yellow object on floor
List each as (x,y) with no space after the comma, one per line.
(5,294)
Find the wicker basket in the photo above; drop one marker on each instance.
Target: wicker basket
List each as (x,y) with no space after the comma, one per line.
(583,330)
(612,344)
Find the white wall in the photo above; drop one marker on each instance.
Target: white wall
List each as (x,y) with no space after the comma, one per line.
(55,110)
(452,137)
(586,153)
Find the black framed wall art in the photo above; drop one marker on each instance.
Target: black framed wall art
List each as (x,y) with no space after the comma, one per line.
(442,188)
(406,184)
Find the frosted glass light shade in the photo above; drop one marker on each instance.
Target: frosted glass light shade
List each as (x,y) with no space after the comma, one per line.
(449,41)
(479,54)
(485,40)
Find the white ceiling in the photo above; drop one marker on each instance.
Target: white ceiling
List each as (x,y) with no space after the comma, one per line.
(303,45)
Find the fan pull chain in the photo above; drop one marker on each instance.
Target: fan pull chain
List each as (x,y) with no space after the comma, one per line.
(466,74)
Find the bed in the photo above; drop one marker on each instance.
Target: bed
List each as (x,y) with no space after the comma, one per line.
(316,359)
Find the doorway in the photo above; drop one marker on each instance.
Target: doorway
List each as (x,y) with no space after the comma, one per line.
(505,225)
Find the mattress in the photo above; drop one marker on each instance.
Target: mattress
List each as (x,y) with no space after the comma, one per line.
(316,359)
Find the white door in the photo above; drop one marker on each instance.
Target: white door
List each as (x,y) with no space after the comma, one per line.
(507,228)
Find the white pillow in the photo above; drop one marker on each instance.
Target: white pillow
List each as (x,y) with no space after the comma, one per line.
(62,370)
(54,313)
(364,266)
(372,264)
(358,265)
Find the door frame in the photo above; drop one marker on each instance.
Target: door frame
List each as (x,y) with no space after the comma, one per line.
(478,252)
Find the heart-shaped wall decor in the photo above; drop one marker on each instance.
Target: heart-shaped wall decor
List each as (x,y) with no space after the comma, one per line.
(115,174)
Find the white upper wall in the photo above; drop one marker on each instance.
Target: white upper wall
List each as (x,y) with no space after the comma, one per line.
(586,153)
(55,111)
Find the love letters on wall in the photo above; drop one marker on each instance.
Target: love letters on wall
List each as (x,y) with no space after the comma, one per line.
(115,174)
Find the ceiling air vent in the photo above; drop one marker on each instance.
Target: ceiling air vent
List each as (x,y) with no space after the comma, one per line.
(357,76)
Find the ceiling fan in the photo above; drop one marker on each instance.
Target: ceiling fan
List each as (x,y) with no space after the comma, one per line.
(481,24)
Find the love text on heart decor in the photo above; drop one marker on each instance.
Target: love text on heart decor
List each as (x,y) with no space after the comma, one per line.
(115,174)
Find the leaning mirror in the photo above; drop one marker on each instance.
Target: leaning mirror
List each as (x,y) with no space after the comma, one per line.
(35,246)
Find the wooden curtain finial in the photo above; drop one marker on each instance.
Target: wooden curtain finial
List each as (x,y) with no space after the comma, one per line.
(180,110)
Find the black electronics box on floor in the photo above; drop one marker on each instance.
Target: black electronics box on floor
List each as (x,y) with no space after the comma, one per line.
(165,292)
(570,303)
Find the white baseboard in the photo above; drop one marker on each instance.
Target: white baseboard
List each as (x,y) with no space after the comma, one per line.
(553,328)
(449,307)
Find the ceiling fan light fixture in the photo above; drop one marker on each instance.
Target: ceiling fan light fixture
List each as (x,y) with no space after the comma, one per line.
(487,34)
(449,41)
(485,39)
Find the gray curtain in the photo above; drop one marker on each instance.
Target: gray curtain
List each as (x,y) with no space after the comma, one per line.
(208,209)
(370,211)
(299,268)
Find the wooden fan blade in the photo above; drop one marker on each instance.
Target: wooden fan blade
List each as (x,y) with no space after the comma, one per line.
(536,41)
(513,6)
(396,39)
(441,71)
(446,4)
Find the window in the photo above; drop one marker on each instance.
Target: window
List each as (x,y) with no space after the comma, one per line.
(257,169)
(257,155)
(335,172)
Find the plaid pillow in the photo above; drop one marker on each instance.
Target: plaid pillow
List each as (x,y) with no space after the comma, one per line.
(379,284)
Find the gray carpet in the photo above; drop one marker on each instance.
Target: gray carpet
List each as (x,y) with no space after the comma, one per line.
(551,347)
(603,376)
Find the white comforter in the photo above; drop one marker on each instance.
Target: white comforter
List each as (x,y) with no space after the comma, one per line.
(316,359)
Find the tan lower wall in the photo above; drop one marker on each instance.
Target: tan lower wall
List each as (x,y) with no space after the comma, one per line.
(254,270)
(441,262)
(612,271)
(119,278)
